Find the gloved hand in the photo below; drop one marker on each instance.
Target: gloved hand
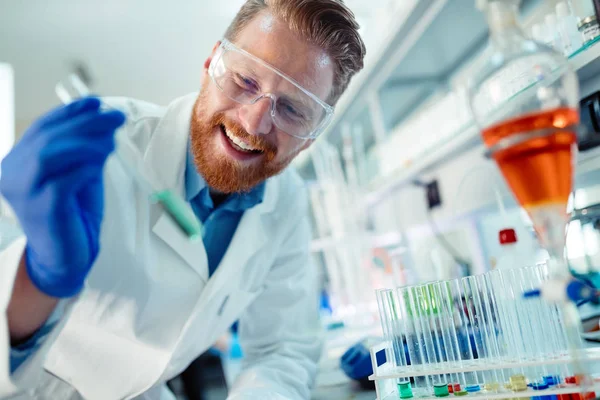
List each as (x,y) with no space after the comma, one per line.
(52,179)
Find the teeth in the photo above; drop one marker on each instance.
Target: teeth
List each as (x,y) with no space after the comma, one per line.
(238,141)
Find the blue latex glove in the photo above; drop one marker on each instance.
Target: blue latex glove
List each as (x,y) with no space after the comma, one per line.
(53,180)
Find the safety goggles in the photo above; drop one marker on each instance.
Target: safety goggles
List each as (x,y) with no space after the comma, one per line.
(240,76)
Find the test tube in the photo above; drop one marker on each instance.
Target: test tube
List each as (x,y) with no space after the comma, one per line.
(384,316)
(442,340)
(510,339)
(529,321)
(493,325)
(545,327)
(414,345)
(476,295)
(532,320)
(398,334)
(448,330)
(132,162)
(555,325)
(461,322)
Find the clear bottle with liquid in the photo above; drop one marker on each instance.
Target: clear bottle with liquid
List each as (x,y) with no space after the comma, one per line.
(525,100)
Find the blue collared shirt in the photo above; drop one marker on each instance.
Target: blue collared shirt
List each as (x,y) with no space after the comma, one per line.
(219,223)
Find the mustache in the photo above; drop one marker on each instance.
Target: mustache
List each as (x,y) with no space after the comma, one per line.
(256,141)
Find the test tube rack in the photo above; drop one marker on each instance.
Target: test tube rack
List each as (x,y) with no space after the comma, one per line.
(480,336)
(387,376)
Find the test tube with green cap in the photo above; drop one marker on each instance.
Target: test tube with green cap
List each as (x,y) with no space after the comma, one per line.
(405,390)
(439,328)
(397,329)
(441,390)
(422,307)
(414,344)
(390,318)
(131,160)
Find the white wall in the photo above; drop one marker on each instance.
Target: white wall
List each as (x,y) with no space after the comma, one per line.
(7,109)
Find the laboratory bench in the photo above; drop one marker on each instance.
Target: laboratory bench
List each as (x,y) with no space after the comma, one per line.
(331,382)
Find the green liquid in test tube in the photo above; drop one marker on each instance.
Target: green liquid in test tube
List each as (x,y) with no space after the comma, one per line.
(438,328)
(132,162)
(420,306)
(414,345)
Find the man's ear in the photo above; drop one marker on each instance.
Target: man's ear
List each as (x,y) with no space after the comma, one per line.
(209,58)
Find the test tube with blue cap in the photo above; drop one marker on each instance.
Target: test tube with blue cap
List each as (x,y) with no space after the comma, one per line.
(426,309)
(132,161)
(554,333)
(529,321)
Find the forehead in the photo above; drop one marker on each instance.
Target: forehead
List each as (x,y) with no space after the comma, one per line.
(271,40)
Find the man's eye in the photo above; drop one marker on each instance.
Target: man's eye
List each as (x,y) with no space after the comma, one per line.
(246,83)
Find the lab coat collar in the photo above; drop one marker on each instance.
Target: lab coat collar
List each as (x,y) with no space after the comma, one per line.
(165,156)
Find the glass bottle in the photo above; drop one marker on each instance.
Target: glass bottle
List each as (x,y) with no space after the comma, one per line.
(525,100)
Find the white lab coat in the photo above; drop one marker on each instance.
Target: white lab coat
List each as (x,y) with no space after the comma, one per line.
(148,308)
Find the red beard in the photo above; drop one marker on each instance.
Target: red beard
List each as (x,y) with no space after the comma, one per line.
(220,172)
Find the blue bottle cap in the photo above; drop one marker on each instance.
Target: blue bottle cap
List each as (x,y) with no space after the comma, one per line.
(473,388)
(539,386)
(552,380)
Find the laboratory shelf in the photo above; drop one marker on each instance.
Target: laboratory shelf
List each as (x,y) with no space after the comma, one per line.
(587,65)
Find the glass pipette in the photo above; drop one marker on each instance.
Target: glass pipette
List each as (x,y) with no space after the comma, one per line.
(132,161)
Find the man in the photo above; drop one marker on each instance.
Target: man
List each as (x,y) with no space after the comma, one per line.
(105,297)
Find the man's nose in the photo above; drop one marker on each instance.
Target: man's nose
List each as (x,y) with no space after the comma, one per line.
(256,118)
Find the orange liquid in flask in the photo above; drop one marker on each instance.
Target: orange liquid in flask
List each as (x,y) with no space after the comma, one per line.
(539,171)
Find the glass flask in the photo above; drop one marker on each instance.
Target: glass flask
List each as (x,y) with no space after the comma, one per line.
(525,100)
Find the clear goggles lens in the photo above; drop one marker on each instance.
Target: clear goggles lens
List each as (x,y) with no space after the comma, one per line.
(294,110)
